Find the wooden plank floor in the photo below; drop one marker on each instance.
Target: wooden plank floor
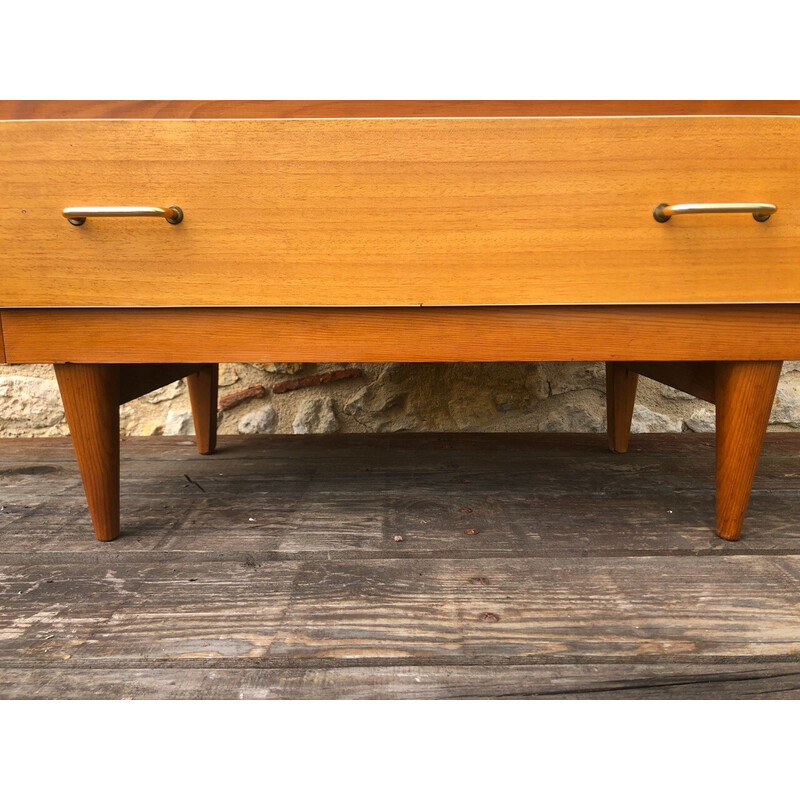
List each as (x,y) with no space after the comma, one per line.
(529,566)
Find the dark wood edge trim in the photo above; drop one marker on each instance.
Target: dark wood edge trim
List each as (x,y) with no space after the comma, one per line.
(517,333)
(136,380)
(287,109)
(2,342)
(696,378)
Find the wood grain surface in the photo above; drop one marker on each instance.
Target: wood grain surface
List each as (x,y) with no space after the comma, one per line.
(393,609)
(589,575)
(679,681)
(203,387)
(270,109)
(318,496)
(621,385)
(585,333)
(744,393)
(397,212)
(91,397)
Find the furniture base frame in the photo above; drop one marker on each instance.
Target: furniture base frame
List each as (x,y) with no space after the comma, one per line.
(728,355)
(743,393)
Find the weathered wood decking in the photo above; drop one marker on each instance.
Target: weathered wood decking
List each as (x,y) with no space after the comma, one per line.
(272,569)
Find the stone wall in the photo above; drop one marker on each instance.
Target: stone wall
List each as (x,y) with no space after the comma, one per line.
(393,397)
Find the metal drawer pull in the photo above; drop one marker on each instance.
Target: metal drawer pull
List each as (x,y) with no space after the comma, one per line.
(77,216)
(761,212)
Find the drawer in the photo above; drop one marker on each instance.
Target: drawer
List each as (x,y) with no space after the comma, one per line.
(396,212)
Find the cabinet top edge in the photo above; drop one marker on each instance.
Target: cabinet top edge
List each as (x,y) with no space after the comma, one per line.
(324,109)
(440,118)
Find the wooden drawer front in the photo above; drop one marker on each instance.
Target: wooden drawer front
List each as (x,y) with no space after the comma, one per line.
(399,211)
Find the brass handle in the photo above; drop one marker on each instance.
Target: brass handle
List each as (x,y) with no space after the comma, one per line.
(77,216)
(761,212)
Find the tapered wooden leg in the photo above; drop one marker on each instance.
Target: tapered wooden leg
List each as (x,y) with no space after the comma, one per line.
(203,388)
(620,398)
(745,391)
(90,393)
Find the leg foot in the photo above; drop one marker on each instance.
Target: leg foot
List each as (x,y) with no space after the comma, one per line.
(620,397)
(745,391)
(203,388)
(90,393)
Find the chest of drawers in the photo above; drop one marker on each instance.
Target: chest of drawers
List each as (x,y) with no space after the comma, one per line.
(661,239)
